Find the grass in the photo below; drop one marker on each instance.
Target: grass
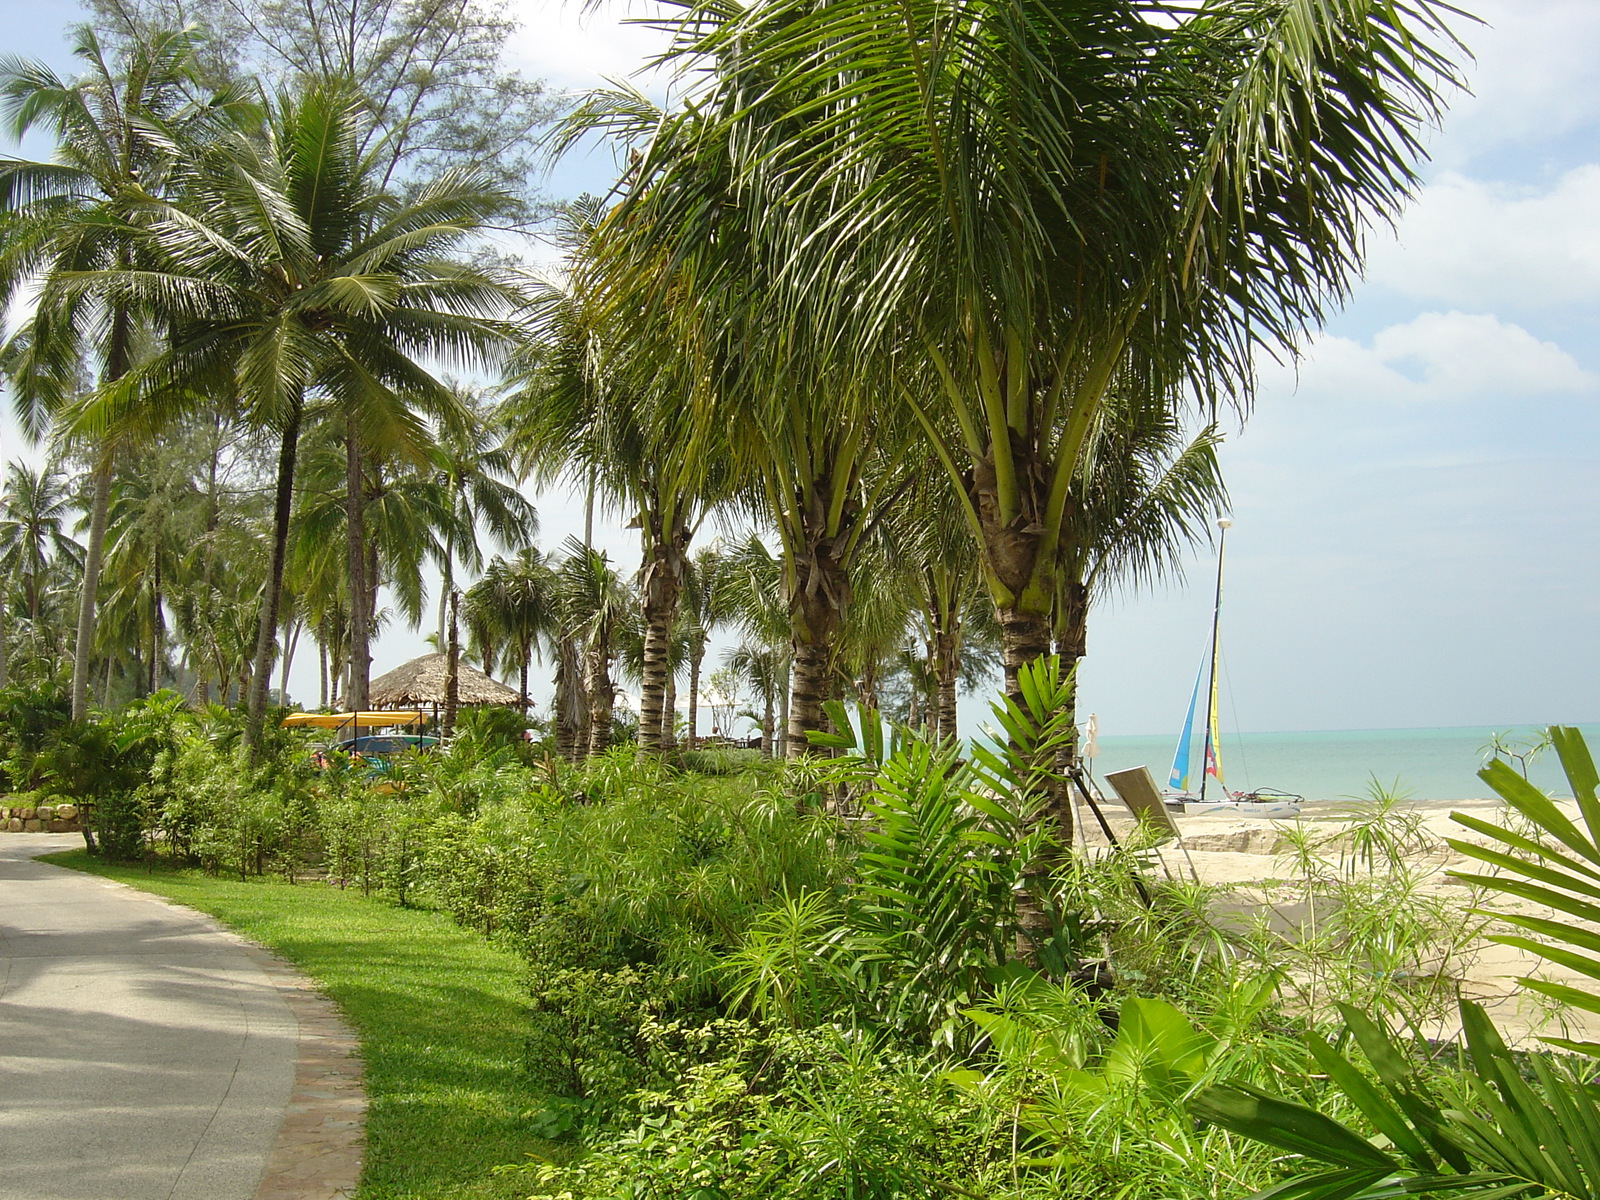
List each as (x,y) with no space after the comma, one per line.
(440,1012)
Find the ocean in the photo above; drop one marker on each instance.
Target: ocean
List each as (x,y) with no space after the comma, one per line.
(1425,764)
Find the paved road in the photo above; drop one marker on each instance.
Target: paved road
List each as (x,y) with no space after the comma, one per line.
(143,1055)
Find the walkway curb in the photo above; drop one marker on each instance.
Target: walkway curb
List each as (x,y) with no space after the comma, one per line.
(318,1149)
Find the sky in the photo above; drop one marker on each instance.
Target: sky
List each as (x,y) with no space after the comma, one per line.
(1416,538)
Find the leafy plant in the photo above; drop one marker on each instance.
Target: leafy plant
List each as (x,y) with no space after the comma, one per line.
(1558,866)
(1505,1127)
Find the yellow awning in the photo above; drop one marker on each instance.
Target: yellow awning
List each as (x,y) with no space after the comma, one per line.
(374,720)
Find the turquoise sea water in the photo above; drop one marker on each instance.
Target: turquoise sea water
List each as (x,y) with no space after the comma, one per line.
(1430,764)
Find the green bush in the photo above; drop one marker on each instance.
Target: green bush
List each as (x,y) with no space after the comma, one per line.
(812,1115)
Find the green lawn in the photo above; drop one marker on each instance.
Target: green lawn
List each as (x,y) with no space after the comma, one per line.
(440,1012)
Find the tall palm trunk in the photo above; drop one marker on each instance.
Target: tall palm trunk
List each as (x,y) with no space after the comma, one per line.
(697,654)
(571,702)
(524,661)
(602,694)
(4,650)
(661,584)
(947,669)
(782,747)
(118,360)
(452,670)
(272,587)
(669,714)
(356,561)
(291,641)
(93,554)
(816,611)
(447,586)
(1014,546)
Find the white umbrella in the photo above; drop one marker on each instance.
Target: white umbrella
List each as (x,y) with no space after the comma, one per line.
(1091,737)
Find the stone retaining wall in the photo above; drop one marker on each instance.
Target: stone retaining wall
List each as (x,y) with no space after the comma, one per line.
(42,818)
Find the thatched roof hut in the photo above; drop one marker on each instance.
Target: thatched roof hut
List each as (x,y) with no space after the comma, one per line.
(422,681)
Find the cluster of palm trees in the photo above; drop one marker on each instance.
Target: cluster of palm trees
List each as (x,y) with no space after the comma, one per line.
(940,298)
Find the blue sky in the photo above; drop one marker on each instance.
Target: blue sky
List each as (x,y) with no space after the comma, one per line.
(1417,536)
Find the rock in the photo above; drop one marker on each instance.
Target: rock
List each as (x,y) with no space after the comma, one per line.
(27,814)
(61,826)
(66,812)
(34,826)
(14,825)
(45,812)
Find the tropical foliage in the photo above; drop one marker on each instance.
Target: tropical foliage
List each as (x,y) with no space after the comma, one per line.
(901,341)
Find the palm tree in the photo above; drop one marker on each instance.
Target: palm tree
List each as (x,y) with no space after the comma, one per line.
(610,414)
(34,508)
(476,470)
(594,607)
(293,276)
(153,519)
(765,669)
(998,212)
(121,131)
(703,607)
(513,606)
(750,596)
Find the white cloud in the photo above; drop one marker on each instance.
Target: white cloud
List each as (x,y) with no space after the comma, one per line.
(1533,79)
(578,46)
(1437,357)
(1476,243)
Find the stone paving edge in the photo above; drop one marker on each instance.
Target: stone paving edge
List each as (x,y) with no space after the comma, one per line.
(318,1149)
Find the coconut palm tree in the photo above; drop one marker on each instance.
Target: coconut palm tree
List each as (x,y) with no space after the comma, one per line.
(292,276)
(703,607)
(594,606)
(513,606)
(34,509)
(609,413)
(750,595)
(476,470)
(121,129)
(998,212)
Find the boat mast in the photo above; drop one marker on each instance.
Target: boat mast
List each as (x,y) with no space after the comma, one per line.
(1224,524)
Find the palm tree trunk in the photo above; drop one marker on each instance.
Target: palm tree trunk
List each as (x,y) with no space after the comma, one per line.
(669,714)
(291,640)
(155,623)
(782,748)
(566,701)
(602,697)
(809,687)
(818,602)
(452,677)
(696,656)
(766,724)
(867,689)
(356,560)
(947,669)
(272,587)
(5,652)
(447,586)
(93,552)
(660,585)
(322,673)
(524,660)
(118,358)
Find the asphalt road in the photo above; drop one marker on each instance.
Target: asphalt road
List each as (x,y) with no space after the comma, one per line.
(143,1054)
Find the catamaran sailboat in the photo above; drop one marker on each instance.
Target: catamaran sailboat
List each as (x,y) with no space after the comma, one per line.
(1263,802)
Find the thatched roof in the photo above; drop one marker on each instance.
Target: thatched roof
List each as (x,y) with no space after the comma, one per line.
(422,681)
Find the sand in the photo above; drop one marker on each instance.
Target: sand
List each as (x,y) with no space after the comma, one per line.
(1244,857)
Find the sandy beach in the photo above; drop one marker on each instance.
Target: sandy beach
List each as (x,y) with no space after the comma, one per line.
(1248,859)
